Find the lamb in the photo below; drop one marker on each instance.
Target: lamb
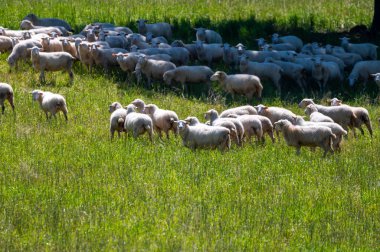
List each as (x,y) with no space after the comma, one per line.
(103,56)
(51,45)
(157,29)
(203,137)
(362,115)
(7,43)
(312,136)
(209,52)
(363,70)
(245,84)
(315,116)
(294,40)
(47,21)
(137,123)
(208,36)
(189,74)
(235,126)
(6,93)
(342,115)
(241,110)
(50,103)
(117,119)
(20,51)
(153,68)
(336,129)
(269,71)
(324,72)
(163,120)
(53,61)
(367,51)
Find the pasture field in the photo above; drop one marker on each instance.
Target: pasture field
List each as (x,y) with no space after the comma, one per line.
(66,186)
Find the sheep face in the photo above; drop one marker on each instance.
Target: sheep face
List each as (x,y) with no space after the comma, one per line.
(280,124)
(310,109)
(181,125)
(37,94)
(201,34)
(305,102)
(352,78)
(218,76)
(261,109)
(335,102)
(35,51)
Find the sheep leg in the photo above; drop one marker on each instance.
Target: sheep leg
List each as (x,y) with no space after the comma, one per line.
(71,75)
(298,152)
(42,76)
(369,127)
(47,116)
(2,109)
(270,133)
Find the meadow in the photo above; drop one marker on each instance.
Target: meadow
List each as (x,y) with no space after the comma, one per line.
(66,186)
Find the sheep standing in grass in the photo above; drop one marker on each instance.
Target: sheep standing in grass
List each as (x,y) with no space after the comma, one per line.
(47,21)
(204,137)
(245,84)
(117,118)
(241,110)
(163,120)
(291,39)
(210,53)
(53,61)
(7,43)
(365,50)
(311,136)
(20,51)
(51,45)
(50,102)
(157,29)
(6,93)
(315,116)
(363,70)
(208,36)
(324,72)
(362,116)
(252,126)
(138,123)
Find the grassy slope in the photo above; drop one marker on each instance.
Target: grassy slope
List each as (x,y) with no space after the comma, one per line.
(66,186)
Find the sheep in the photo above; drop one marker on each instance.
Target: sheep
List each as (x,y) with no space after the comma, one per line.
(324,72)
(294,40)
(191,48)
(230,56)
(51,45)
(47,21)
(50,103)
(209,53)
(336,129)
(315,116)
(277,47)
(6,93)
(245,84)
(114,106)
(53,61)
(312,136)
(256,56)
(348,59)
(269,71)
(113,41)
(363,70)
(151,39)
(69,47)
(204,137)
(11,33)
(341,115)
(157,29)
(135,40)
(28,25)
(252,126)
(180,55)
(139,105)
(7,43)
(362,115)
(103,56)
(235,126)
(376,77)
(163,120)
(208,36)
(117,119)
(153,68)
(137,123)
(194,121)
(20,51)
(189,74)
(367,51)
(241,110)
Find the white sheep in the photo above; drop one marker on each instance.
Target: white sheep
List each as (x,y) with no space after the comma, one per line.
(311,136)
(53,61)
(189,47)
(208,36)
(117,119)
(203,137)
(51,45)
(277,47)
(243,84)
(20,51)
(362,115)
(163,120)
(241,110)
(69,46)
(114,106)
(117,41)
(363,70)
(157,29)
(189,74)
(275,113)
(50,102)
(6,93)
(324,72)
(210,53)
(256,56)
(139,105)
(336,129)
(179,55)
(103,56)
(315,116)
(365,50)
(252,126)
(151,39)
(138,123)
(47,21)
(7,43)
(28,25)
(230,56)
(291,39)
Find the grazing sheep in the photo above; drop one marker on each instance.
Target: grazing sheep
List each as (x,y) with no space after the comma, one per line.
(210,53)
(341,115)
(315,116)
(189,74)
(138,123)
(208,36)
(363,70)
(20,51)
(205,137)
(7,43)
(241,110)
(163,120)
(50,102)
(293,40)
(53,61)
(367,51)
(336,129)
(311,136)
(324,72)
(244,84)
(157,29)
(6,93)
(362,115)
(117,120)
(180,55)
(47,21)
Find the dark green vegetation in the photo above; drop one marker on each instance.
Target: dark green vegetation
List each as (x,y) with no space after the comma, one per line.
(65,186)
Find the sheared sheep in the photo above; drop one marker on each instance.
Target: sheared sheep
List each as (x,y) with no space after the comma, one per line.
(50,102)
(6,93)
(51,45)
(103,56)
(138,123)
(315,116)
(163,120)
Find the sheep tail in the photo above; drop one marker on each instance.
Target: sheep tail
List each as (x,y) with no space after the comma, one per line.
(120,122)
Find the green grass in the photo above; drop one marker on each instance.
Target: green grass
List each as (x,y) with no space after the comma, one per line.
(66,186)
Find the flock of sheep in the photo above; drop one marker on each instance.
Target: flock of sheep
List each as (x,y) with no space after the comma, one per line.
(51,46)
